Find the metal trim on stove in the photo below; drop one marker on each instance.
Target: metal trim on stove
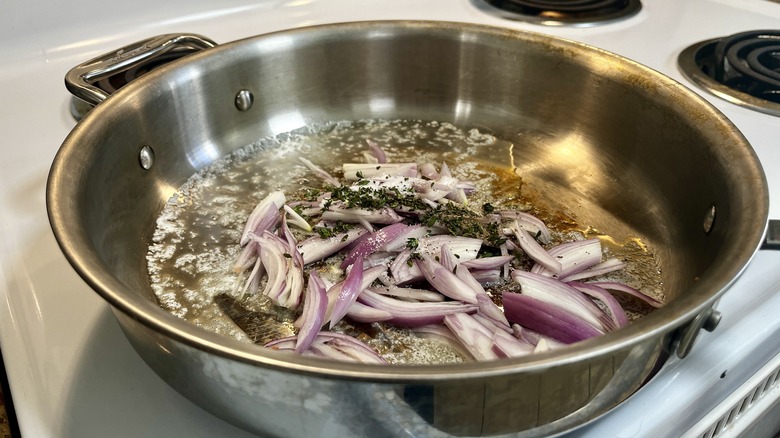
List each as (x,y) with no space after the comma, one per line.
(714,66)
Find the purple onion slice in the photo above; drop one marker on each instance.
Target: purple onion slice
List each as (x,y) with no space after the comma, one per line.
(486,305)
(314,306)
(506,345)
(614,309)
(464,248)
(428,170)
(530,223)
(403,269)
(620,287)
(376,151)
(400,242)
(447,258)
(445,281)
(275,265)
(488,262)
(368,276)
(411,314)
(357,171)
(563,296)
(534,250)
(320,173)
(334,346)
(247,258)
(410,293)
(349,292)
(485,276)
(490,324)
(546,319)
(602,268)
(477,339)
(346,348)
(316,248)
(264,216)
(370,243)
(534,338)
(359,312)
(441,333)
(574,257)
(297,219)
(362,216)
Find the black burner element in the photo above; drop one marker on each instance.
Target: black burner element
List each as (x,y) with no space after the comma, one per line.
(750,62)
(566,12)
(743,68)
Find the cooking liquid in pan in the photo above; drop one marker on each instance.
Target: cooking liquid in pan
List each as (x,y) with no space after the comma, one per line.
(196,240)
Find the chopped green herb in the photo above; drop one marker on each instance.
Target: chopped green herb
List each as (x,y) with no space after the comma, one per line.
(373,199)
(412,257)
(324,232)
(311,194)
(461,221)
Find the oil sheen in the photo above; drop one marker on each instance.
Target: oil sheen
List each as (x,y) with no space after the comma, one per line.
(195,242)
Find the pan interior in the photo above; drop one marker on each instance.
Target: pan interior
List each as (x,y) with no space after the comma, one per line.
(195,243)
(622,148)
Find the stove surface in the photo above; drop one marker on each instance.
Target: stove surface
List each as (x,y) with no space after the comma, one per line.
(72,372)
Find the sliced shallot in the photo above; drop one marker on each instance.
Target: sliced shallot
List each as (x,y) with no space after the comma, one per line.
(546,319)
(534,250)
(349,292)
(376,151)
(445,281)
(409,314)
(614,309)
(370,243)
(316,248)
(620,287)
(477,339)
(357,171)
(574,257)
(264,216)
(563,296)
(314,306)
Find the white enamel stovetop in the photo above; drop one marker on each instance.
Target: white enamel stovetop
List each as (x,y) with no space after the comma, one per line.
(73,374)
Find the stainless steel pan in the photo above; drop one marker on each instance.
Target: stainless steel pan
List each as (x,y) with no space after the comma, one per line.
(644,156)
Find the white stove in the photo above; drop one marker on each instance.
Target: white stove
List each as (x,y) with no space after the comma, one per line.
(73,374)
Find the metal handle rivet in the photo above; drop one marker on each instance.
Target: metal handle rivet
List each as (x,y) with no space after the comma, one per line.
(712,321)
(709,219)
(146,157)
(244,100)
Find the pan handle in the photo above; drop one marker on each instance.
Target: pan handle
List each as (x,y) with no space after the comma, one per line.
(772,238)
(83,80)
(710,317)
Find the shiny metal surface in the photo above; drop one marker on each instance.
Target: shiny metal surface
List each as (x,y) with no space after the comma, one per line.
(81,80)
(244,100)
(617,144)
(772,240)
(689,61)
(146,157)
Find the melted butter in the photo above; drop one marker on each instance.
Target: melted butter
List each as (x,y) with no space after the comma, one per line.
(195,243)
